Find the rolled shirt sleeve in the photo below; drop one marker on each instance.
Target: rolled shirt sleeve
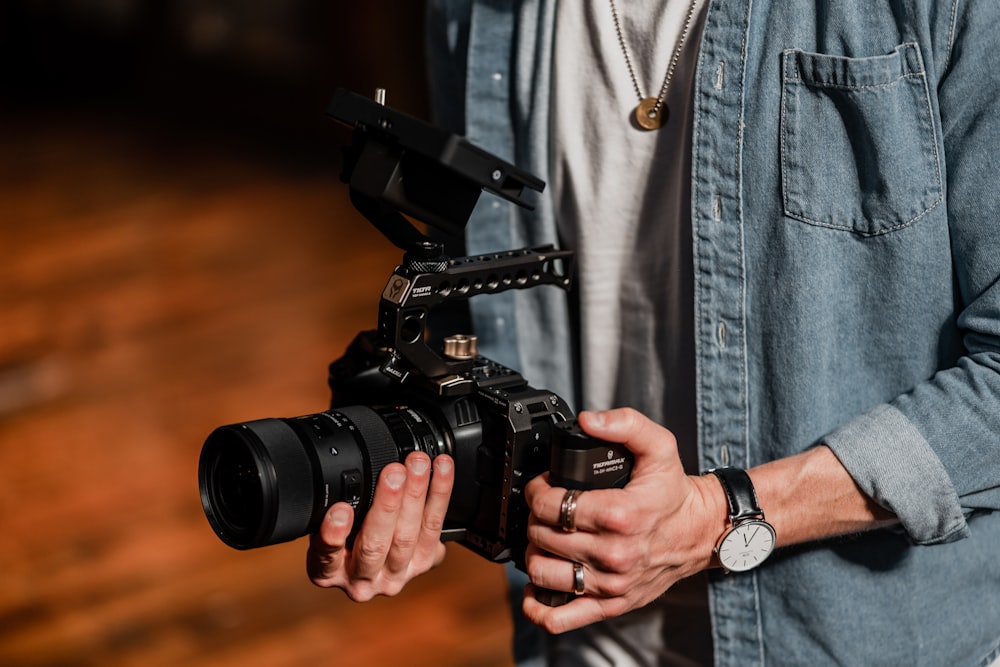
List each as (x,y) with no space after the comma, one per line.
(895,465)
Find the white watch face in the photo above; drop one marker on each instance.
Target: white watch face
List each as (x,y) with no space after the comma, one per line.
(746,546)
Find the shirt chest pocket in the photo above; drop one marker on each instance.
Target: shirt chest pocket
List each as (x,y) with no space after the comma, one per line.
(858,144)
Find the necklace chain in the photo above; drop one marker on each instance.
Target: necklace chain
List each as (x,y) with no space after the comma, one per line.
(654,112)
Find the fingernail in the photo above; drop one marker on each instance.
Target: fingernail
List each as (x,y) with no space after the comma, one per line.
(395,479)
(597,418)
(444,466)
(338,516)
(419,465)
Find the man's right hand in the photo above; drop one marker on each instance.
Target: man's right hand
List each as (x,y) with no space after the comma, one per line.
(399,539)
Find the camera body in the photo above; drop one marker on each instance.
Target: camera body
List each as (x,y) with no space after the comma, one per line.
(496,426)
(271,480)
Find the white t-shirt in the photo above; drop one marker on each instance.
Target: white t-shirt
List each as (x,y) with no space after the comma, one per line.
(623,201)
(623,204)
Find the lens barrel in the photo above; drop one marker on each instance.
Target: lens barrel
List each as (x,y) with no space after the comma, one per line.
(271,480)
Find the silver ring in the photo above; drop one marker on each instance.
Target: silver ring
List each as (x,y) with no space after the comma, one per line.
(567,511)
(578,578)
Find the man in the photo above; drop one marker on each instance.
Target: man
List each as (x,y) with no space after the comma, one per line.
(796,273)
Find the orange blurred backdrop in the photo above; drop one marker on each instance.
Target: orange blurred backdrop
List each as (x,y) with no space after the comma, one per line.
(177,254)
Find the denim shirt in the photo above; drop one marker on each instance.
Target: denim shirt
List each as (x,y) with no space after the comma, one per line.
(846,243)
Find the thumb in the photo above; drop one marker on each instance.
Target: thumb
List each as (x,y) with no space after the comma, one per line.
(643,437)
(328,546)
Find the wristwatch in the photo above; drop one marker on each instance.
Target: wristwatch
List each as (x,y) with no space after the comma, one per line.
(750,539)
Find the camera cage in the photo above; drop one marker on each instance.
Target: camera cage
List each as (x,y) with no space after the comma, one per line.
(398,166)
(500,430)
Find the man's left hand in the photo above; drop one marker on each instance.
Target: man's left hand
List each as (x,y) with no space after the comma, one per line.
(633,543)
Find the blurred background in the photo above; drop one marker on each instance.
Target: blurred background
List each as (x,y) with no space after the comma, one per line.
(178,254)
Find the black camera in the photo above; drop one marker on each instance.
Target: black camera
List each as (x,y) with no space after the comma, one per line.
(272,480)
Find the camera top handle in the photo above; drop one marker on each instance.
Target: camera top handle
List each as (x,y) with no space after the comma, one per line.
(410,294)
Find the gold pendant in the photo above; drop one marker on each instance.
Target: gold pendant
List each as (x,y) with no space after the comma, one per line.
(647,116)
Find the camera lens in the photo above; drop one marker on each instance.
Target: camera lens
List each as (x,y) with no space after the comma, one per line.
(271,480)
(236,489)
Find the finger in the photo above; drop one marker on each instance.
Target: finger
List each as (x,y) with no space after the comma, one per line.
(644,437)
(328,546)
(582,610)
(436,509)
(594,510)
(553,541)
(547,570)
(372,544)
(545,500)
(409,520)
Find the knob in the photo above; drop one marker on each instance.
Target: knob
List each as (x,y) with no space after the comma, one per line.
(460,347)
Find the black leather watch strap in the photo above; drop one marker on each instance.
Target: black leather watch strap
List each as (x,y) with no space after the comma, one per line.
(739,492)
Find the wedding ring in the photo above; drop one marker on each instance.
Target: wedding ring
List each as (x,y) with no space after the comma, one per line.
(567,510)
(578,578)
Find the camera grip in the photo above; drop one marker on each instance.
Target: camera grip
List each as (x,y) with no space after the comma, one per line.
(585,463)
(582,462)
(551,598)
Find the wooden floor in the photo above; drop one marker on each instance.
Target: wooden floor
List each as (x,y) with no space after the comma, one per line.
(151,289)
